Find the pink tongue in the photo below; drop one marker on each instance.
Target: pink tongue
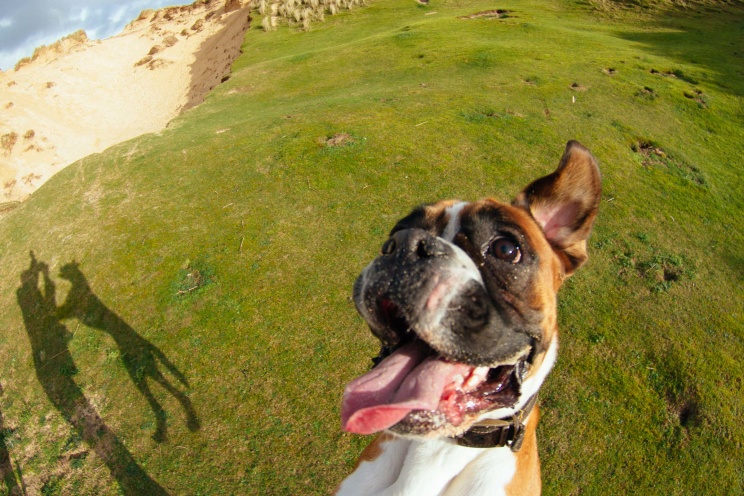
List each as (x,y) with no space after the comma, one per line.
(407,380)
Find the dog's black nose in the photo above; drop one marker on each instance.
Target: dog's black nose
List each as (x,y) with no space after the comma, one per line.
(414,243)
(388,247)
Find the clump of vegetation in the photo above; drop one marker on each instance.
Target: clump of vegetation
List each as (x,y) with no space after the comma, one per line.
(170,40)
(193,276)
(8,141)
(60,46)
(144,60)
(198,25)
(301,13)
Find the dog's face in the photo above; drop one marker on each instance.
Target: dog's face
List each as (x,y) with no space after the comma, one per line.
(463,300)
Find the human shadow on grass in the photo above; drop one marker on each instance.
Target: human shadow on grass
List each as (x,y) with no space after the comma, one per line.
(140,357)
(7,474)
(55,369)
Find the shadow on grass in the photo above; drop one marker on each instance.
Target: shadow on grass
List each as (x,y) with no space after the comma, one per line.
(54,369)
(6,467)
(713,41)
(139,356)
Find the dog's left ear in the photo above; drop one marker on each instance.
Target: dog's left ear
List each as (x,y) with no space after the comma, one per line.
(565,204)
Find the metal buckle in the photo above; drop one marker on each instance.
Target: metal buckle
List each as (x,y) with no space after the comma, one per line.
(518,437)
(497,433)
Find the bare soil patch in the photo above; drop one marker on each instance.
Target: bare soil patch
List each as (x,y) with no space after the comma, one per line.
(338,139)
(489,14)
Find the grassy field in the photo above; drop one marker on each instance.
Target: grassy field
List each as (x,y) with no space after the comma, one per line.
(185,324)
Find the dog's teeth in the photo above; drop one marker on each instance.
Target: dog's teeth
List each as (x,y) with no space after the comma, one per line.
(519,371)
(477,376)
(457,381)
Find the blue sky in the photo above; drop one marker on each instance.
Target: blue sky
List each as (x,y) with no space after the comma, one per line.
(26,24)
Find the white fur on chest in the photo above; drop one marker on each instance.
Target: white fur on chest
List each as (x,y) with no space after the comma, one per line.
(432,468)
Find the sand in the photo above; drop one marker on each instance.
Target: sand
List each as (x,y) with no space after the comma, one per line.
(81,96)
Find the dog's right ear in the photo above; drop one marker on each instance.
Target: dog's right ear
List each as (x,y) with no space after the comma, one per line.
(565,204)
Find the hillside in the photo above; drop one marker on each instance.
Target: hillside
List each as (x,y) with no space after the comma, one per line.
(176,310)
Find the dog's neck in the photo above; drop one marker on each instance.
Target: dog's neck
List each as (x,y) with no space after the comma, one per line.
(398,466)
(497,433)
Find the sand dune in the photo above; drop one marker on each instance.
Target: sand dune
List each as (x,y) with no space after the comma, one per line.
(81,96)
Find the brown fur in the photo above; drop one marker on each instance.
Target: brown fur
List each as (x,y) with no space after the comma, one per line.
(371,453)
(373,449)
(527,480)
(573,189)
(436,213)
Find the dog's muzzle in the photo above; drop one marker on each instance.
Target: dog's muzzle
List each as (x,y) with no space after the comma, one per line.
(449,350)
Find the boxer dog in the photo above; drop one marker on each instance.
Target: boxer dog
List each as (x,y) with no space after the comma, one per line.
(463,300)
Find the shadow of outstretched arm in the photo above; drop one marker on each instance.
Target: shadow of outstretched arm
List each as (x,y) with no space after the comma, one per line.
(55,369)
(140,357)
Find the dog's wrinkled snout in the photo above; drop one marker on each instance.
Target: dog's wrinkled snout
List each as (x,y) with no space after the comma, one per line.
(413,243)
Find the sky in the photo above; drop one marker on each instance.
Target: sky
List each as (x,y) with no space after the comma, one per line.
(27,24)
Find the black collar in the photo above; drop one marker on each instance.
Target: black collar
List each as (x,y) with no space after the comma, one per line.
(498,433)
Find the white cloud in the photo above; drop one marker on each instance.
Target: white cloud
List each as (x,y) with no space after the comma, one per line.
(116,16)
(81,17)
(27,24)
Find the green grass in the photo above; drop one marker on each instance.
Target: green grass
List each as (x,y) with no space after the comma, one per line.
(231,240)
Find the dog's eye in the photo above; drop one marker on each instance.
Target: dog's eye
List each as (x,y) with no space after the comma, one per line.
(505,249)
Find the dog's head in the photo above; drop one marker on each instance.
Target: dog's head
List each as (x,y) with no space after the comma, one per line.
(463,300)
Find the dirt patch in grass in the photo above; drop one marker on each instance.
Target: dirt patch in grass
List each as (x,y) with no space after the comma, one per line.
(662,271)
(654,156)
(338,139)
(687,411)
(646,92)
(698,96)
(675,73)
(489,14)
(658,271)
(193,276)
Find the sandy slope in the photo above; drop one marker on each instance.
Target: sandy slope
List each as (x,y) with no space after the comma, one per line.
(84,96)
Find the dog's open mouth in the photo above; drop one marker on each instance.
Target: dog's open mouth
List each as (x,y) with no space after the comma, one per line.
(415,388)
